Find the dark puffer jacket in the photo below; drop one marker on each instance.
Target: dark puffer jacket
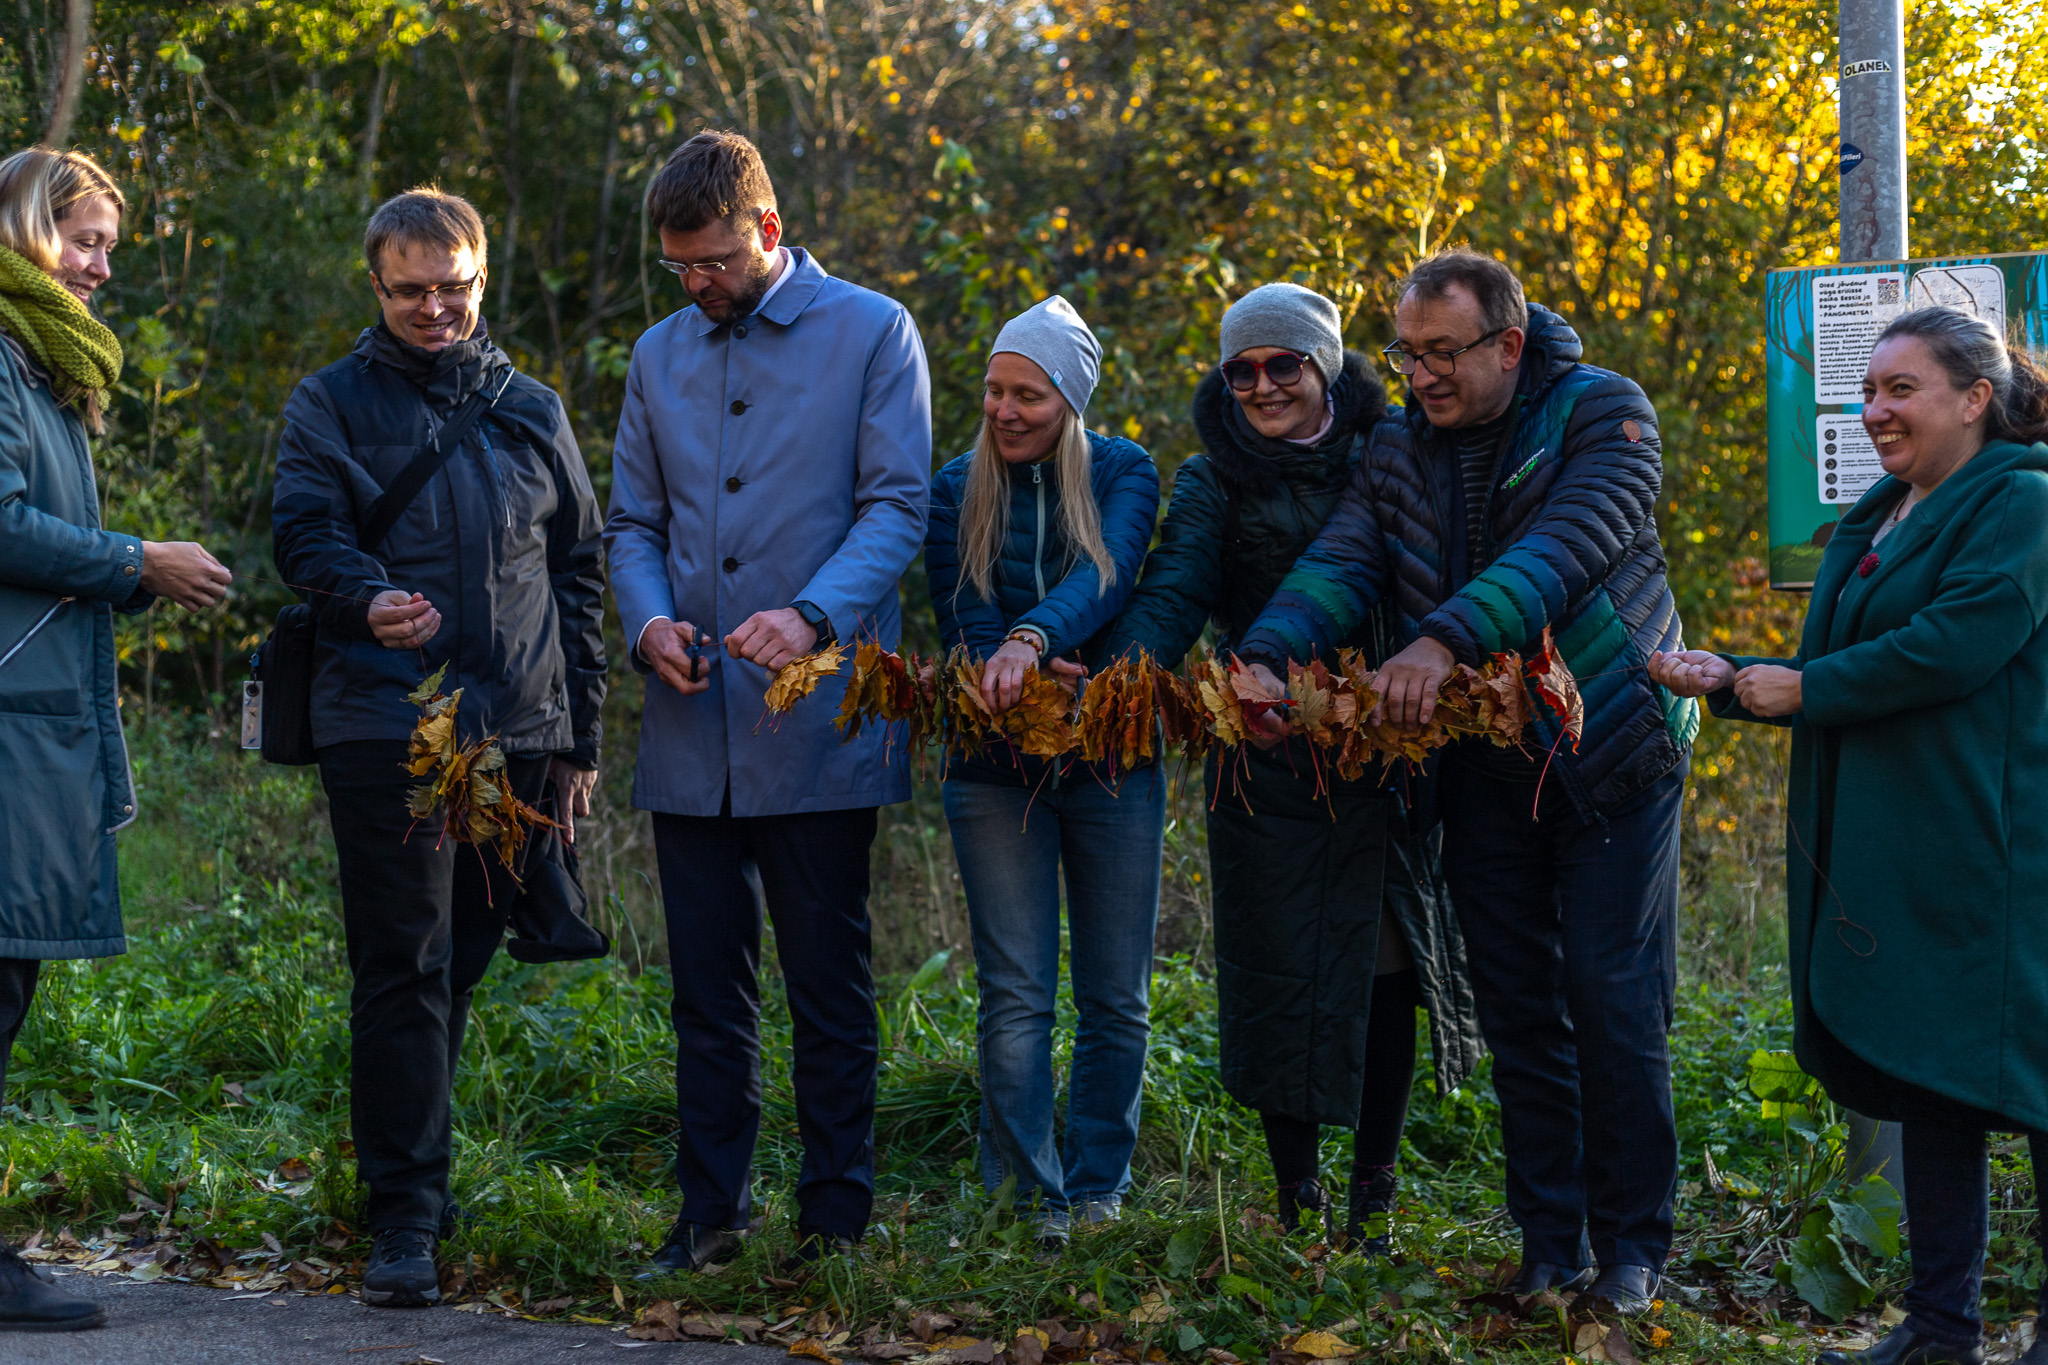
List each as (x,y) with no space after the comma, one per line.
(1040,580)
(1302,875)
(505,540)
(1572,545)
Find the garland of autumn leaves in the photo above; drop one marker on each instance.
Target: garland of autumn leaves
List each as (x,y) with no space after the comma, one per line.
(1136,708)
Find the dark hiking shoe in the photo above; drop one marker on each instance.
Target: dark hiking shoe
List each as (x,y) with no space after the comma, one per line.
(1626,1289)
(1904,1346)
(401,1272)
(1303,1197)
(1372,1211)
(29,1303)
(692,1246)
(1535,1277)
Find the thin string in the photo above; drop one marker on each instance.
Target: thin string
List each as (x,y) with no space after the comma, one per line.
(419,648)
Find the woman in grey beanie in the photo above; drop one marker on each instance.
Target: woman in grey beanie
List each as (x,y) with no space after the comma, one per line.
(1329,927)
(1035,539)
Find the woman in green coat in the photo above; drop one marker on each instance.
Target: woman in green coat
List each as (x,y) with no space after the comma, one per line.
(1331,928)
(1917,861)
(61,578)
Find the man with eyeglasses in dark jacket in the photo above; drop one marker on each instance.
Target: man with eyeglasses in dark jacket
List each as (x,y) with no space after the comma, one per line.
(495,572)
(1517,492)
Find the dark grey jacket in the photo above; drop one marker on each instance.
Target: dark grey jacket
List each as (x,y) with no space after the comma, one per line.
(505,540)
(62,578)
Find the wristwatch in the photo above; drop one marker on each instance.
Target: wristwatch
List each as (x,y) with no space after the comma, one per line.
(817,620)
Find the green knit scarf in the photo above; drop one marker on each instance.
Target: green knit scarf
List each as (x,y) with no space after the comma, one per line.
(81,353)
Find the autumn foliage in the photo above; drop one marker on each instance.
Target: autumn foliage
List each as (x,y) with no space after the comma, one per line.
(1137,711)
(466,783)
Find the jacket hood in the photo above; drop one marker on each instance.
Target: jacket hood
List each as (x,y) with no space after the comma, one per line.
(1247,460)
(446,376)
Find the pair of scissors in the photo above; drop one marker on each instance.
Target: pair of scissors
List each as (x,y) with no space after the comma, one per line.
(697,652)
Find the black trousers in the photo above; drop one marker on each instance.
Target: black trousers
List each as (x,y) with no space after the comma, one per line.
(1948,1205)
(813,872)
(1570,930)
(423,915)
(17,992)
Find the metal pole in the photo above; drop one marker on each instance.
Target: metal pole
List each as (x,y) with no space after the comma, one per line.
(1873,118)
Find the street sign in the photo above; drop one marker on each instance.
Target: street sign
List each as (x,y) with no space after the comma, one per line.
(1820,324)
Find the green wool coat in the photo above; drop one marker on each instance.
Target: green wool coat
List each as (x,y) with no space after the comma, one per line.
(61,578)
(1917,855)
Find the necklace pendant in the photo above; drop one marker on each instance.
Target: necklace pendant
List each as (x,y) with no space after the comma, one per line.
(1867,566)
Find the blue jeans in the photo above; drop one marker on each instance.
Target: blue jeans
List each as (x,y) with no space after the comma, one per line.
(1012,843)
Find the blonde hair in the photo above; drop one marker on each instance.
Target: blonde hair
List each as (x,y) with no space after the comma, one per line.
(985,507)
(38,187)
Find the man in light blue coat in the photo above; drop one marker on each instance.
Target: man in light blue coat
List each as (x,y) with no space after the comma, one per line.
(769,489)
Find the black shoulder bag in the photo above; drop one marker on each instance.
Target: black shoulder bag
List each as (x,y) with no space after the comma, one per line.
(282,691)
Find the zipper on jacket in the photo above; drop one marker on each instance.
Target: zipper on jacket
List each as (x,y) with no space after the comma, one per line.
(497,476)
(1038,544)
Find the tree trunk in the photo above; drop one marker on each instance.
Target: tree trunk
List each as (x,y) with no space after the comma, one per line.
(70,71)
(371,130)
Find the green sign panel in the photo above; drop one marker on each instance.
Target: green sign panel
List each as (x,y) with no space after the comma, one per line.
(1821,324)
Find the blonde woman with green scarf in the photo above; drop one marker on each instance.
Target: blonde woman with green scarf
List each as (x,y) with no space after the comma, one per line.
(61,579)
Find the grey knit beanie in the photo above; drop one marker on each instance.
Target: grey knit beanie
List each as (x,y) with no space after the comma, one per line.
(1051,335)
(1293,318)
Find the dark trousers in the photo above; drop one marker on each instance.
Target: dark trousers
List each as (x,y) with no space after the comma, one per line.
(813,872)
(1570,929)
(423,916)
(1948,1206)
(17,992)
(1383,1098)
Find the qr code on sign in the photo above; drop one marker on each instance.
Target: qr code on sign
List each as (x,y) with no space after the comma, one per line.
(1888,292)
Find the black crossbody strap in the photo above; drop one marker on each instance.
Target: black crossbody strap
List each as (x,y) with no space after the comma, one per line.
(392,502)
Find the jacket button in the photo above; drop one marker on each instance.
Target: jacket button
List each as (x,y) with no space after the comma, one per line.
(732,485)
(127,810)
(740,330)
(738,407)
(127,568)
(731,565)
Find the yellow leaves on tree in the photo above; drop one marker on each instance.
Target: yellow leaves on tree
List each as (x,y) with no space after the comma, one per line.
(466,783)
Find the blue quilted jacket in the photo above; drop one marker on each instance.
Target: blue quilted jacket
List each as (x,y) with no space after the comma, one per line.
(1039,579)
(1572,544)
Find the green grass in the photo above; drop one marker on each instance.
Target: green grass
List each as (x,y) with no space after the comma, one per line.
(236,977)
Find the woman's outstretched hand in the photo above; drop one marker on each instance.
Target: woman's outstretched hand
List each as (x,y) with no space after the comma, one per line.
(1770,690)
(1002,677)
(1691,672)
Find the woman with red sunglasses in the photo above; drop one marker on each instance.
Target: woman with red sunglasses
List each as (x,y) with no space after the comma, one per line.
(1330,925)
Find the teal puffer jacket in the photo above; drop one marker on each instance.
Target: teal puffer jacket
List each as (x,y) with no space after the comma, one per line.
(61,580)
(1040,580)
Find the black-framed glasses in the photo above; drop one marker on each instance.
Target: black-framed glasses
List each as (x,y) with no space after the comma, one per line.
(1443,364)
(414,295)
(1283,369)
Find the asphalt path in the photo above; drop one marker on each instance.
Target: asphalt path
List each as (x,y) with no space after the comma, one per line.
(183,1324)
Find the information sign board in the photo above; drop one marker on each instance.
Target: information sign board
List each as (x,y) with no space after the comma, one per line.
(1820,324)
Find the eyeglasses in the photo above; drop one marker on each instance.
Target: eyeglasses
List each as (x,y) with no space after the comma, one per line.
(681,269)
(1443,364)
(1283,369)
(414,295)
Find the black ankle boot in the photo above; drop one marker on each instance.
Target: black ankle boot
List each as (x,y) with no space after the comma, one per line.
(1904,1346)
(1372,1212)
(28,1303)
(1303,1197)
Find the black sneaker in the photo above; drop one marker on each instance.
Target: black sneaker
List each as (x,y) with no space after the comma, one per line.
(401,1272)
(29,1303)
(692,1246)
(812,1247)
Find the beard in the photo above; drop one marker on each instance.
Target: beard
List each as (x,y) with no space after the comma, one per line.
(744,299)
